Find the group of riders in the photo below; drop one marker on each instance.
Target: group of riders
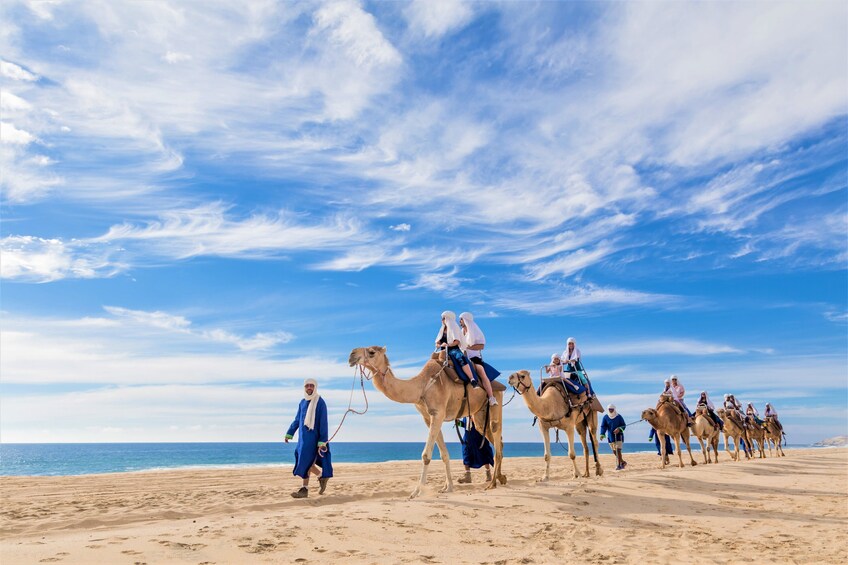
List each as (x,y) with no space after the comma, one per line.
(465,341)
(674,389)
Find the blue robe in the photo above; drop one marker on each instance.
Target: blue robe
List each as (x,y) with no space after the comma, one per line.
(473,455)
(306,452)
(490,371)
(669,448)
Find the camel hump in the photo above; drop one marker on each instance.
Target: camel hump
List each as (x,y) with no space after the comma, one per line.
(498,387)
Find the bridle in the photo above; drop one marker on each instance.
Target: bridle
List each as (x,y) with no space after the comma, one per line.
(521,383)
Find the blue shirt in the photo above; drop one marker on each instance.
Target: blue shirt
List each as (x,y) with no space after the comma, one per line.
(609,425)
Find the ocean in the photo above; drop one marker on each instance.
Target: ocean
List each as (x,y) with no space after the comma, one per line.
(50,459)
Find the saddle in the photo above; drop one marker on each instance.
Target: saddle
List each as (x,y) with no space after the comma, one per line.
(573,393)
(452,375)
(674,404)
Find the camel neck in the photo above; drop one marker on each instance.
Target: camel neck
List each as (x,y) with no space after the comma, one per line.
(399,390)
(547,408)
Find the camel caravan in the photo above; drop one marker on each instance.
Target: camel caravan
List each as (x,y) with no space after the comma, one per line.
(455,383)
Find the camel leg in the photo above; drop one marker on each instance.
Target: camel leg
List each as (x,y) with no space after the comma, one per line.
(443,452)
(685,437)
(427,454)
(569,433)
(726,446)
(581,431)
(679,455)
(495,436)
(593,429)
(664,458)
(704,449)
(715,448)
(546,439)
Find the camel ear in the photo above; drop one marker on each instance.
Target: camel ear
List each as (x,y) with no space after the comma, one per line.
(383,349)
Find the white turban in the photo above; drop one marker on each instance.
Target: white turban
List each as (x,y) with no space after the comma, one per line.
(554,357)
(668,382)
(475,334)
(309,419)
(454,333)
(570,340)
(611,408)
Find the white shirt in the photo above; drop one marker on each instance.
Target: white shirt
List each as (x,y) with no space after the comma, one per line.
(575,355)
(677,392)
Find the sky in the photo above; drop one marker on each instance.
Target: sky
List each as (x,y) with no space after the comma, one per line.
(204,203)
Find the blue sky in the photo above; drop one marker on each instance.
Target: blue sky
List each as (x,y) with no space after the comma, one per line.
(205,203)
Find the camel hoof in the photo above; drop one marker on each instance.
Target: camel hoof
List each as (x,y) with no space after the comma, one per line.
(415,493)
(543,480)
(585,475)
(502,479)
(490,486)
(445,489)
(599,472)
(694,463)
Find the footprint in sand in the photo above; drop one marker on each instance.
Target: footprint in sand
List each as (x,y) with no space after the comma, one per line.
(131,552)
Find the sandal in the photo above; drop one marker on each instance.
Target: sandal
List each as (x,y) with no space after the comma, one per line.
(322,481)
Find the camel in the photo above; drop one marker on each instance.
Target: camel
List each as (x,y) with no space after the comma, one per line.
(755,436)
(438,399)
(553,412)
(734,428)
(668,418)
(774,435)
(706,432)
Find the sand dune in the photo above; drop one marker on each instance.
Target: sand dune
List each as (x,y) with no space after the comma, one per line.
(788,510)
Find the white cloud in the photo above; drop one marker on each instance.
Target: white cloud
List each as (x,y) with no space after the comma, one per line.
(169,322)
(12,103)
(434,18)
(446,283)
(207,230)
(10,134)
(173,57)
(574,299)
(34,259)
(16,72)
(401,227)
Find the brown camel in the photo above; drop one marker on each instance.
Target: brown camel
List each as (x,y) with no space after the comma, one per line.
(755,436)
(668,418)
(734,428)
(438,399)
(554,412)
(774,435)
(706,432)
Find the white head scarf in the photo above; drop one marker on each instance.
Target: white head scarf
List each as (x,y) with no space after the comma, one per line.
(309,419)
(611,408)
(554,357)
(575,354)
(475,334)
(454,332)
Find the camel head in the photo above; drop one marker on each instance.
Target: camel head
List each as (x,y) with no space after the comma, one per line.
(372,358)
(649,415)
(521,380)
(722,413)
(701,410)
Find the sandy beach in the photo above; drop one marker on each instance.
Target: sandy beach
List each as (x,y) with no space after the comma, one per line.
(787,510)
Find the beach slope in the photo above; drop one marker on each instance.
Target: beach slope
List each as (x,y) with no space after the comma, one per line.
(787,510)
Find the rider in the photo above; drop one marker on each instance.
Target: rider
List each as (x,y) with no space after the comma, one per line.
(554,370)
(572,363)
(752,412)
(677,393)
(450,337)
(704,400)
(772,413)
(475,341)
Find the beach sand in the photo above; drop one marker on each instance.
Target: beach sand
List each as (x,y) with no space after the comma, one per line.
(787,510)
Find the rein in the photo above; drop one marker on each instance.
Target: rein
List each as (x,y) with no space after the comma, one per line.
(362,377)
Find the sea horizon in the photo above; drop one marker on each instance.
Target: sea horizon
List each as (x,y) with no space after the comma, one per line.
(73,459)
